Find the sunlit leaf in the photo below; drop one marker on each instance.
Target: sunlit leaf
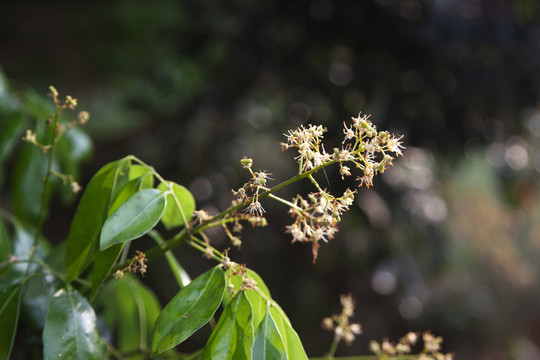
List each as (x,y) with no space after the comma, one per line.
(232,338)
(137,216)
(189,310)
(70,330)
(268,342)
(293,345)
(9,313)
(173,216)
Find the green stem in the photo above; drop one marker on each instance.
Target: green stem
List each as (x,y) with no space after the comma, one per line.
(43,209)
(286,202)
(333,349)
(194,243)
(182,236)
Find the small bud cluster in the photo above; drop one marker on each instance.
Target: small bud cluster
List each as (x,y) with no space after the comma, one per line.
(249,192)
(68,179)
(432,345)
(343,330)
(138,265)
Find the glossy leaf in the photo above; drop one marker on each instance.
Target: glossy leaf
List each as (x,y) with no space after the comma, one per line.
(232,338)
(137,216)
(139,178)
(268,342)
(293,345)
(22,242)
(9,313)
(71,328)
(127,191)
(91,212)
(189,310)
(173,216)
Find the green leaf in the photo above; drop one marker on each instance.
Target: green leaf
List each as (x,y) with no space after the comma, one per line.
(82,242)
(173,215)
(293,345)
(11,124)
(22,241)
(102,266)
(232,337)
(71,328)
(236,281)
(27,183)
(5,243)
(89,216)
(9,313)
(136,217)
(131,309)
(136,171)
(268,342)
(142,179)
(189,310)
(258,303)
(145,181)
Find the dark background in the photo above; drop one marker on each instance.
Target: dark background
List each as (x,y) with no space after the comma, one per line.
(446,241)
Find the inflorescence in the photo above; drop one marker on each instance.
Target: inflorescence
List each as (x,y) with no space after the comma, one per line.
(316,217)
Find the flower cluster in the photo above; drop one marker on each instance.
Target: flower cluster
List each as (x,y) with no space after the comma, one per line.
(250,190)
(432,345)
(316,219)
(339,323)
(137,265)
(366,148)
(308,141)
(363,146)
(248,193)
